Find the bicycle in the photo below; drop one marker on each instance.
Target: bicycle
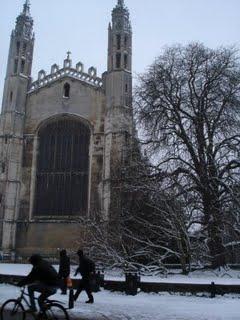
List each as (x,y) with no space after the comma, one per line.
(53,309)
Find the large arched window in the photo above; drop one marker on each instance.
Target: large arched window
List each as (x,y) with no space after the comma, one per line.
(62,169)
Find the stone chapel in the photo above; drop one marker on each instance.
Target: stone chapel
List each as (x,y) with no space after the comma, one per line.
(60,137)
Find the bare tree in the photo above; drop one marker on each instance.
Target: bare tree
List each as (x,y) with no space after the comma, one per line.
(155,222)
(187,106)
(151,227)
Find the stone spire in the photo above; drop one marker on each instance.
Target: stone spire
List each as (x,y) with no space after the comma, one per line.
(120,39)
(26,8)
(19,62)
(120,10)
(121,3)
(24,22)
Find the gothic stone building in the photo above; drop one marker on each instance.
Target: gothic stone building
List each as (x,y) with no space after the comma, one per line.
(60,137)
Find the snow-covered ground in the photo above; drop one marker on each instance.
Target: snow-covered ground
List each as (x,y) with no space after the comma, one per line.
(118,306)
(204,277)
(162,306)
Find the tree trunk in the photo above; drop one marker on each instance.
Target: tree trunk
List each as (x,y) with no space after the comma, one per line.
(183,259)
(214,224)
(216,247)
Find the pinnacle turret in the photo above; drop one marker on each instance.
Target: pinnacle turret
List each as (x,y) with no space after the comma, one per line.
(120,11)
(26,8)
(20,60)
(120,39)
(24,22)
(121,3)
(120,6)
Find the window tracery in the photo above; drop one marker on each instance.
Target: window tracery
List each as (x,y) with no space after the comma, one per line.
(62,169)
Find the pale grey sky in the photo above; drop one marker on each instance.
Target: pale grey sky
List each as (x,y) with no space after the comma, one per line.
(81,27)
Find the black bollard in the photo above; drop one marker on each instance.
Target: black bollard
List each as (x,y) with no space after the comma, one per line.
(132,281)
(100,278)
(212,290)
(97,280)
(95,283)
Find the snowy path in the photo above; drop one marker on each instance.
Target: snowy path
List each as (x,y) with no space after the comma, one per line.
(118,306)
(198,277)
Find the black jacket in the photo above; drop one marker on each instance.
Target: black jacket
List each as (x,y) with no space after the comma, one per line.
(64,266)
(86,267)
(42,272)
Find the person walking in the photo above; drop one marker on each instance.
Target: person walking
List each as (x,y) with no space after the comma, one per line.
(43,278)
(87,270)
(64,270)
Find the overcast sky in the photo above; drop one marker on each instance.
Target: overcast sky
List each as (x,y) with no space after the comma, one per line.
(81,27)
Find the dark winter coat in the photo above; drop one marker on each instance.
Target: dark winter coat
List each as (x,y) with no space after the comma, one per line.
(86,267)
(42,272)
(64,266)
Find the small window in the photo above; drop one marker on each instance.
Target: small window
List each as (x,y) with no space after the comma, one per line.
(11,96)
(18,48)
(3,167)
(125,61)
(24,49)
(16,66)
(126,87)
(66,90)
(22,66)
(118,41)
(126,137)
(118,60)
(125,41)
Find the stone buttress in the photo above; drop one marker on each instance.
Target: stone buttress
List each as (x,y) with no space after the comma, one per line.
(119,117)
(17,82)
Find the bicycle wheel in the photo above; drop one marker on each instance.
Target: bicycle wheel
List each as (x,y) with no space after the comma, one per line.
(56,311)
(13,310)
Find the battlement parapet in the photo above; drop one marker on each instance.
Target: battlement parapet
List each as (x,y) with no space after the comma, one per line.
(75,73)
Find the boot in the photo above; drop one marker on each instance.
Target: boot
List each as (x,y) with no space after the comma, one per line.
(90,301)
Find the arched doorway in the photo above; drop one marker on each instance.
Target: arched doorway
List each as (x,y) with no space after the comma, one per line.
(62,169)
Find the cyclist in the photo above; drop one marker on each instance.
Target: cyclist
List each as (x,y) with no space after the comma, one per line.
(43,278)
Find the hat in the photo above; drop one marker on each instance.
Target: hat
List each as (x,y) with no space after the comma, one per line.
(35,259)
(80,253)
(63,252)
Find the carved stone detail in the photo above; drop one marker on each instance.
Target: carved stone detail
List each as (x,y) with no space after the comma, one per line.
(75,73)
(80,67)
(54,68)
(41,75)
(92,71)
